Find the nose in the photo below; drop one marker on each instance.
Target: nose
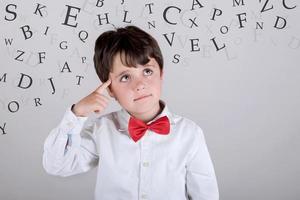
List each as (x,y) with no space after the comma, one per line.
(140,85)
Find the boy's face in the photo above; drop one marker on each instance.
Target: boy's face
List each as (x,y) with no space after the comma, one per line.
(137,89)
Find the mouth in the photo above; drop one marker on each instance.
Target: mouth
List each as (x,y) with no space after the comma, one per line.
(142,97)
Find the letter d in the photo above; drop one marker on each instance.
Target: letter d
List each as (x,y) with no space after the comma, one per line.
(21,81)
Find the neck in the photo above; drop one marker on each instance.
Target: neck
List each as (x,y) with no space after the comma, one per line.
(149,115)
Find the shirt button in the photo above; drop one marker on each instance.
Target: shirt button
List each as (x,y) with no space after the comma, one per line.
(144,196)
(146,164)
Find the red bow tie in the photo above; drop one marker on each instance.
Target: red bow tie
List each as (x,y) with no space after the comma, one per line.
(138,128)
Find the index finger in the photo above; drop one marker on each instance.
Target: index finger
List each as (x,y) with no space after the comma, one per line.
(102,87)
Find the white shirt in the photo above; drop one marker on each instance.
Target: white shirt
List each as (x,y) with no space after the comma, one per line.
(176,166)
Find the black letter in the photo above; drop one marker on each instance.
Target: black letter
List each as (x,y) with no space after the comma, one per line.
(17,108)
(21,79)
(260,25)
(241,20)
(193,22)
(3,77)
(149,6)
(216,14)
(124,19)
(78,83)
(263,9)
(277,20)
(284,4)
(65,47)
(84,37)
(8,41)
(2,128)
(170,42)
(176,57)
(37,101)
(53,88)
(40,56)
(100,19)
(238,2)
(213,39)
(73,16)
(28,31)
(46,30)
(226,29)
(17,58)
(200,6)
(194,45)
(38,8)
(98,3)
(67,67)
(165,14)
(9,11)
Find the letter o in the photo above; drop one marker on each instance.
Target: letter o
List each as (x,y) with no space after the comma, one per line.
(17,106)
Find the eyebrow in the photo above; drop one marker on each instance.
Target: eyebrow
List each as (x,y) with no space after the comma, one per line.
(123,72)
(126,71)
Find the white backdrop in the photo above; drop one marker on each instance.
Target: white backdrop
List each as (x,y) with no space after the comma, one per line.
(231,66)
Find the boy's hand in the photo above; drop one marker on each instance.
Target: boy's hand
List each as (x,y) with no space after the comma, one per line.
(94,102)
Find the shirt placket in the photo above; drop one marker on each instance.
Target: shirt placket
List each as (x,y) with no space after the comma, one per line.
(145,167)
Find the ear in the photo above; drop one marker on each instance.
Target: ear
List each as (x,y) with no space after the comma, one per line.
(161,75)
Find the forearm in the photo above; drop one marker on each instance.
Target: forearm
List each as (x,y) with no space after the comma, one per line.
(66,150)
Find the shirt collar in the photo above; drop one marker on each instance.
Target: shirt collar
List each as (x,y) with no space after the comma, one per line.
(122,117)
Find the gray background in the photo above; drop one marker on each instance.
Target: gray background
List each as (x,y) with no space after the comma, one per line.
(245,98)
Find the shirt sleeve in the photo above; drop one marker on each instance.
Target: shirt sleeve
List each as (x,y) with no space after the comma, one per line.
(201,179)
(70,148)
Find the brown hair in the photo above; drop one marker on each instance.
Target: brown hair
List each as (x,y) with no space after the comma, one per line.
(134,44)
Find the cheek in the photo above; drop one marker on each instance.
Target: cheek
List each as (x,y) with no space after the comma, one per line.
(121,90)
(152,79)
(155,80)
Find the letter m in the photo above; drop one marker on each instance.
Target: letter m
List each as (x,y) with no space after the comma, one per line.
(3,78)
(238,2)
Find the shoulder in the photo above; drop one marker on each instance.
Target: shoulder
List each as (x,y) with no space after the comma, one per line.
(186,123)
(187,129)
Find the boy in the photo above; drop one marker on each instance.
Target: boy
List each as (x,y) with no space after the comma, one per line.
(143,151)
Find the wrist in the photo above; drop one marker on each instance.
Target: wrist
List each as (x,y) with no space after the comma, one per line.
(74,110)
(77,113)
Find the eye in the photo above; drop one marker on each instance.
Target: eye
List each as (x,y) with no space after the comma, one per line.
(124,78)
(148,72)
